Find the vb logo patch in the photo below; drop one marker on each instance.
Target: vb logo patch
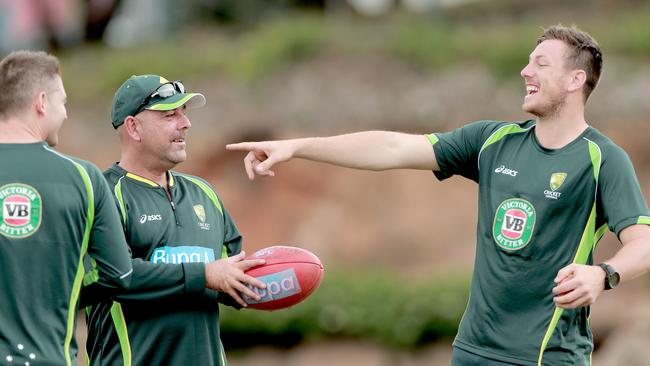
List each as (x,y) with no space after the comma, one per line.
(21,210)
(513,225)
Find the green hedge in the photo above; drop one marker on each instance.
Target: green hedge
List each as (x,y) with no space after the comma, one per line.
(375,307)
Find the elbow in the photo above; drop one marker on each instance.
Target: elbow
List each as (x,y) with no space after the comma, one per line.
(379,167)
(123,282)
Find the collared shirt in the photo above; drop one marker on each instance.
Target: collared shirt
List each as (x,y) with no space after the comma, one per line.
(184,227)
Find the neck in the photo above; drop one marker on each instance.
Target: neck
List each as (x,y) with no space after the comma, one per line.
(18,131)
(557,131)
(139,166)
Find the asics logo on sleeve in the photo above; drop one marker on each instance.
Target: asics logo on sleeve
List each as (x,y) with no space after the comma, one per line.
(507,171)
(145,218)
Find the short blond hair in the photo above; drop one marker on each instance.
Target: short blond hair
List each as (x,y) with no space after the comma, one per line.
(22,74)
(584,52)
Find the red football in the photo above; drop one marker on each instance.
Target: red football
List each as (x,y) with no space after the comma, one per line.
(291,274)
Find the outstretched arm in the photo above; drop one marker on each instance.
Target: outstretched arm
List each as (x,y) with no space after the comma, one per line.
(370,150)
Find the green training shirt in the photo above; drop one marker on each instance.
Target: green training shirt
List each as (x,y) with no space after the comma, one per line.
(175,235)
(55,210)
(539,210)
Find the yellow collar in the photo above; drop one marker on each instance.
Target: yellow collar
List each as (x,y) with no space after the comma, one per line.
(170,178)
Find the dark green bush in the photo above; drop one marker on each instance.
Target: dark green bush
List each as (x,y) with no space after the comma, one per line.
(375,307)
(276,45)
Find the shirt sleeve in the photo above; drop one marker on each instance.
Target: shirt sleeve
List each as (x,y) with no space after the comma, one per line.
(620,200)
(457,151)
(107,249)
(149,281)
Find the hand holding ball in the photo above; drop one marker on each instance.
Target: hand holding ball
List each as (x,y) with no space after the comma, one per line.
(291,274)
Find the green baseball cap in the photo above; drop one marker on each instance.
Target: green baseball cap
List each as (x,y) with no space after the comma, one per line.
(154,92)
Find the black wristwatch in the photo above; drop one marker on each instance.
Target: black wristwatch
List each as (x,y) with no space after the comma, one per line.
(612,278)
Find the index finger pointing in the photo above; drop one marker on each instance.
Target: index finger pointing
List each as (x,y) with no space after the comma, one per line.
(242,146)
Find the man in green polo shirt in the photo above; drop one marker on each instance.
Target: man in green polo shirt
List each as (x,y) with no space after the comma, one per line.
(55,210)
(181,238)
(549,188)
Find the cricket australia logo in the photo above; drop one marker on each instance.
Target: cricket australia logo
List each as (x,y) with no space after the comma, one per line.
(513,225)
(556,181)
(199,210)
(21,210)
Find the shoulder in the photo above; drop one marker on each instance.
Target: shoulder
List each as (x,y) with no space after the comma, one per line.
(507,126)
(84,167)
(486,128)
(608,150)
(190,179)
(614,161)
(198,185)
(113,174)
(493,131)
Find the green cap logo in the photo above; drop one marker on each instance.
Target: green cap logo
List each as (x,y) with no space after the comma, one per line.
(514,222)
(21,210)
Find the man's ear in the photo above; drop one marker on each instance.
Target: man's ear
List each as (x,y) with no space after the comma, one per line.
(133,128)
(41,103)
(578,80)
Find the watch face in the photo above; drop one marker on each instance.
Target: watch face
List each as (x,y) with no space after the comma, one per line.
(614,279)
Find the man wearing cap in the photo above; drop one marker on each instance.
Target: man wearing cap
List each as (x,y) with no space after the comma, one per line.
(177,229)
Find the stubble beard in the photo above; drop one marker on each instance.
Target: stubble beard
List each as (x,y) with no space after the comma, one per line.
(551,109)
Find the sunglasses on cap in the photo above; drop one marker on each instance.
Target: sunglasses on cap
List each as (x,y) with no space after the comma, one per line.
(165,90)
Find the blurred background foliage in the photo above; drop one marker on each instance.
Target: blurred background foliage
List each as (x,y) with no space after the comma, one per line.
(249,40)
(373,305)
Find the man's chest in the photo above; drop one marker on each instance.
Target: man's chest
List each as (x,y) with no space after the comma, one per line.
(174,229)
(527,195)
(549,180)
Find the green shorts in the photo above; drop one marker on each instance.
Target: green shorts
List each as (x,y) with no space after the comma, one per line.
(461,357)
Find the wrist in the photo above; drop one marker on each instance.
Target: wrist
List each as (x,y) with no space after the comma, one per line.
(301,148)
(296,147)
(195,275)
(612,277)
